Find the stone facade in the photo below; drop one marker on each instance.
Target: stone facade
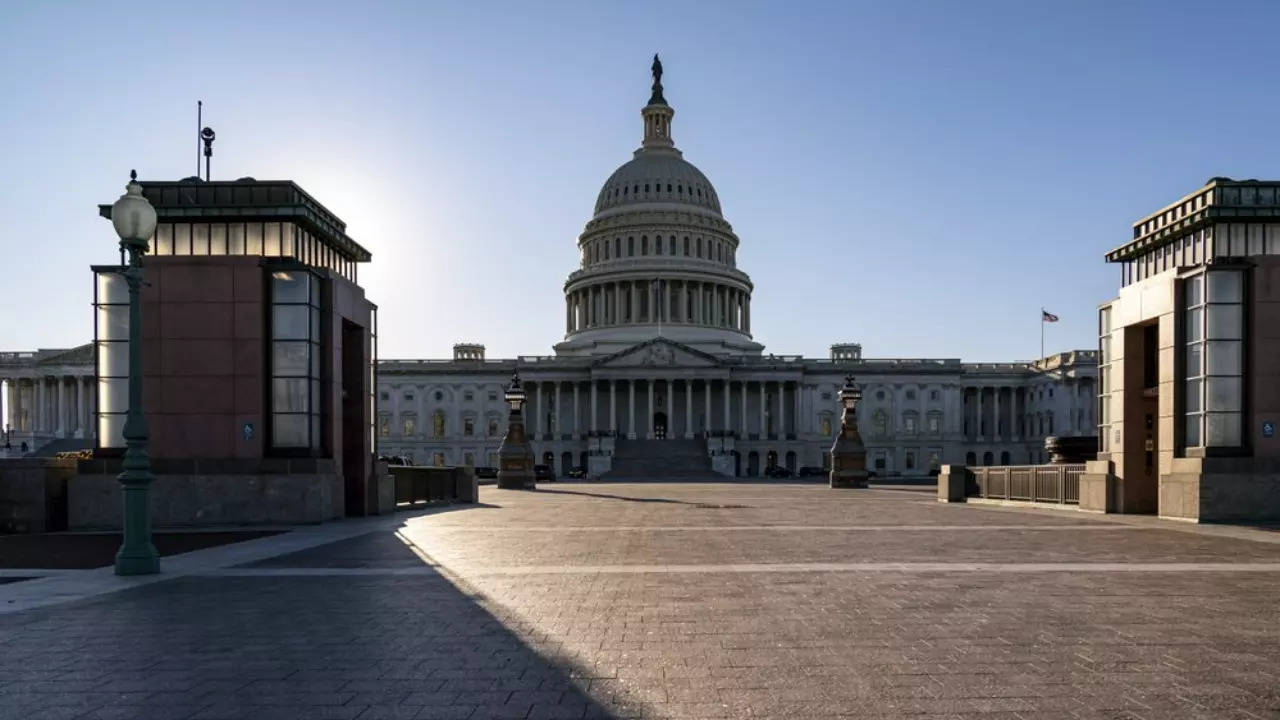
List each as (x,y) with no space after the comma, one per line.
(48,395)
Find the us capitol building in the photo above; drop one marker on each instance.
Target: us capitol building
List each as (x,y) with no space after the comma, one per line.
(659,372)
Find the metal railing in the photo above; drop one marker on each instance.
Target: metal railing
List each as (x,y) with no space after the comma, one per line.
(1030,483)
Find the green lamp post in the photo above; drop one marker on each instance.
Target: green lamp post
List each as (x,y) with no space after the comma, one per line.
(135,221)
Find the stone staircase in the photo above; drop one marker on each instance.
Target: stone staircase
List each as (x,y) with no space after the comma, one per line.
(661,460)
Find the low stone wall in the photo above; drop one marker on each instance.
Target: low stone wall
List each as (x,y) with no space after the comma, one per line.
(418,485)
(1222,489)
(954,483)
(33,494)
(193,493)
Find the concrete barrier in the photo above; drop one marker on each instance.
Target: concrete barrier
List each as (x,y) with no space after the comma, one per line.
(33,494)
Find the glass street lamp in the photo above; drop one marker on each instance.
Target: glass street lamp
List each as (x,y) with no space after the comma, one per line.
(135,222)
(515,455)
(848,454)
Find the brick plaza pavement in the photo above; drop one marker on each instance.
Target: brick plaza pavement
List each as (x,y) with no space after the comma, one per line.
(681,600)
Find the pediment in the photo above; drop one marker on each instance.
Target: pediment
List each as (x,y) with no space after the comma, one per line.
(658,352)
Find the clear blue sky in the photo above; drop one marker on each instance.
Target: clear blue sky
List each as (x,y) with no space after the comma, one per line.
(920,177)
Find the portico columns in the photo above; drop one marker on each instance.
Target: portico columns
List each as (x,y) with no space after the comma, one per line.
(39,408)
(541,410)
(688,409)
(650,415)
(577,409)
(706,391)
(995,413)
(631,409)
(82,421)
(978,424)
(764,428)
(782,410)
(727,426)
(671,409)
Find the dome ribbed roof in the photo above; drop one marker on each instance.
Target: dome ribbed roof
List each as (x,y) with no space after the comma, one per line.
(657,177)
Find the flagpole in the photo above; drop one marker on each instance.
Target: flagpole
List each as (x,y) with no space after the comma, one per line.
(1041,334)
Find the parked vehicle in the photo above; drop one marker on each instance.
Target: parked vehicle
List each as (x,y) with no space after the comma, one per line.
(777,471)
(486,473)
(543,473)
(577,471)
(394,459)
(812,471)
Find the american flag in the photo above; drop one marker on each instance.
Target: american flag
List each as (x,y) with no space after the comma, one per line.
(1046,316)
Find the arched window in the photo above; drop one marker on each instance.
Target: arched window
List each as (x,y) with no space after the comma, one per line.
(970,459)
(437,424)
(617,247)
(909,422)
(644,244)
(699,247)
(880,423)
(987,458)
(686,246)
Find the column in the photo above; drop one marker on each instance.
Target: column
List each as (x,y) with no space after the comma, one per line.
(557,427)
(706,391)
(541,412)
(746,313)
(613,407)
(649,421)
(634,316)
(801,418)
(978,425)
(715,305)
(577,411)
(594,425)
(1015,425)
(671,412)
(631,408)
(782,410)
(764,427)
(688,408)
(38,425)
(617,303)
(995,413)
(80,424)
(743,410)
(725,383)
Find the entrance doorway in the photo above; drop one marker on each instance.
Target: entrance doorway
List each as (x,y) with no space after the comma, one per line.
(1140,481)
(660,425)
(771,460)
(753,464)
(354,422)
(566,462)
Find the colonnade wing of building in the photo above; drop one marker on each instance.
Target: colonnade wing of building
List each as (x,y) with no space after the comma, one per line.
(49,395)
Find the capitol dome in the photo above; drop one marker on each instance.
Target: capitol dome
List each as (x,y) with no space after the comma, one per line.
(654,176)
(658,259)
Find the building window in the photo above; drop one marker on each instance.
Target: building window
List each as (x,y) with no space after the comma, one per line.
(493,459)
(384,426)
(933,394)
(909,423)
(909,460)
(493,428)
(493,396)
(295,360)
(824,422)
(935,423)
(469,459)
(111,332)
(408,426)
(468,427)
(408,397)
(439,396)
(880,423)
(468,396)
(437,459)
(826,396)
(437,424)
(1213,332)
(879,394)
(911,394)
(384,397)
(935,460)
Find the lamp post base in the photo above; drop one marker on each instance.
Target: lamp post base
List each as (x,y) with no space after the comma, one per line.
(138,561)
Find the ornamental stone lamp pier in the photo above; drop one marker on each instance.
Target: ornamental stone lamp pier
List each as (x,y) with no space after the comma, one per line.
(515,455)
(135,221)
(848,454)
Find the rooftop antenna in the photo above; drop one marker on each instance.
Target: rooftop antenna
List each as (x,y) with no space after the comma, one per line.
(199,124)
(207,136)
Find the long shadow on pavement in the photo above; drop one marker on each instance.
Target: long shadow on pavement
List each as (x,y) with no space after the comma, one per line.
(283,644)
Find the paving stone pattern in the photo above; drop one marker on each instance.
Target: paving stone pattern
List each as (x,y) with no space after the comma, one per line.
(341,631)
